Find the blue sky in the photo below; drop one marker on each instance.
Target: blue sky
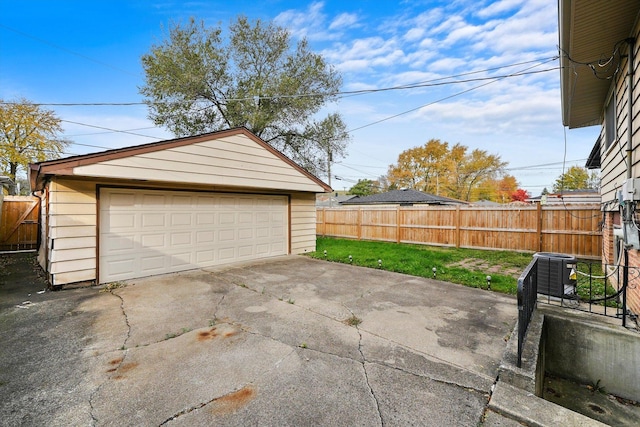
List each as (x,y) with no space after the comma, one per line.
(77,52)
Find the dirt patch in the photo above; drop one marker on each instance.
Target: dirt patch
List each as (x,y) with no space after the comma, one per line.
(480,265)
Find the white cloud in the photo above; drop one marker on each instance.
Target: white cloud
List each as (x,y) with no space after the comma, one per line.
(343,20)
(309,23)
(499,7)
(414,34)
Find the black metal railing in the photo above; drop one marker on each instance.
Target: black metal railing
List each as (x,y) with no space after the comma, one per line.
(599,289)
(594,288)
(527,297)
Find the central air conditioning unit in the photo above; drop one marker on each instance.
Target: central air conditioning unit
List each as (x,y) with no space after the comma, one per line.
(556,274)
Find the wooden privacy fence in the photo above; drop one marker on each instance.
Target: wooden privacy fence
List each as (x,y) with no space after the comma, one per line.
(571,229)
(19,223)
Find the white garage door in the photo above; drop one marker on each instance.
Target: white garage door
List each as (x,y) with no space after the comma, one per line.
(147,232)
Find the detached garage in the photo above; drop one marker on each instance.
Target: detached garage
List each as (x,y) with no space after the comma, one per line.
(170,206)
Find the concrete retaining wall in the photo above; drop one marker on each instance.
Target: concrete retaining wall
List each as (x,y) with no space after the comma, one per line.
(588,352)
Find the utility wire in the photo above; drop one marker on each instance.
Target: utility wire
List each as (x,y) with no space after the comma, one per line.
(339,94)
(493,80)
(109,129)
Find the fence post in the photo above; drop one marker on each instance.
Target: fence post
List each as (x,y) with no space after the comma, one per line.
(323,230)
(398,224)
(457,226)
(539,227)
(359,224)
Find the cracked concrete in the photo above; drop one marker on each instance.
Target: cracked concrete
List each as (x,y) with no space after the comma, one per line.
(261,344)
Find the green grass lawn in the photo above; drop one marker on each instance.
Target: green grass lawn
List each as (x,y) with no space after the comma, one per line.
(469,267)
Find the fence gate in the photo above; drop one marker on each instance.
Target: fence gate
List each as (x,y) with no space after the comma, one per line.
(19,223)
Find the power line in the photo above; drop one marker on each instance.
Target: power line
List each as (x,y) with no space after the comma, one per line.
(494,80)
(339,94)
(109,129)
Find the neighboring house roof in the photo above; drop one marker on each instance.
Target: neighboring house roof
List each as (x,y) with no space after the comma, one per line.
(586,196)
(331,200)
(115,163)
(405,197)
(588,29)
(5,180)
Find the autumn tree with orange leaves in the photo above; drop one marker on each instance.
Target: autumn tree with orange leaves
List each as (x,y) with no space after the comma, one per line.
(447,171)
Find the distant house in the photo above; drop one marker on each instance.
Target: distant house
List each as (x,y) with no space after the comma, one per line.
(599,65)
(486,203)
(331,200)
(406,197)
(569,197)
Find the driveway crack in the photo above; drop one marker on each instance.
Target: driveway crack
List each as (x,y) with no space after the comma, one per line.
(94,419)
(364,364)
(247,389)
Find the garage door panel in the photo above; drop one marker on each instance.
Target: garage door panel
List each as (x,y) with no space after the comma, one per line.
(245,251)
(152,219)
(152,264)
(153,200)
(122,199)
(227,218)
(120,243)
(205,218)
(122,266)
(227,235)
(181,239)
(205,257)
(147,232)
(121,220)
(225,254)
(156,241)
(181,219)
(245,233)
(205,237)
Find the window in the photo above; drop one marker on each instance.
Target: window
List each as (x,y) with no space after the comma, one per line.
(610,122)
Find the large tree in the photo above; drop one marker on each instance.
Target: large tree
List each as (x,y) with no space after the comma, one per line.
(198,81)
(438,169)
(421,168)
(365,187)
(28,133)
(576,178)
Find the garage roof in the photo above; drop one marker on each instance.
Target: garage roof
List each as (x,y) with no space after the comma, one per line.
(234,157)
(589,31)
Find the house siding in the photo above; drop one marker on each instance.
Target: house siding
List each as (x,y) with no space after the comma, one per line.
(614,167)
(303,223)
(71,231)
(236,161)
(613,163)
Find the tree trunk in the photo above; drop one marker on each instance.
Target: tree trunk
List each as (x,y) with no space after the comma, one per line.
(13,189)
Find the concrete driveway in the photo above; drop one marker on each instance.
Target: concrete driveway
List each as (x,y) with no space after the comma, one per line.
(265,343)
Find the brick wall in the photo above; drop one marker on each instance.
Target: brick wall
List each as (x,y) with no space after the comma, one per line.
(608,257)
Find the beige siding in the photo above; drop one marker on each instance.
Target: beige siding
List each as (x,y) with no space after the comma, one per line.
(71,236)
(303,223)
(42,250)
(232,161)
(613,159)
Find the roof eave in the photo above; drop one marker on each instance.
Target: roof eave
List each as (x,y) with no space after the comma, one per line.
(587,31)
